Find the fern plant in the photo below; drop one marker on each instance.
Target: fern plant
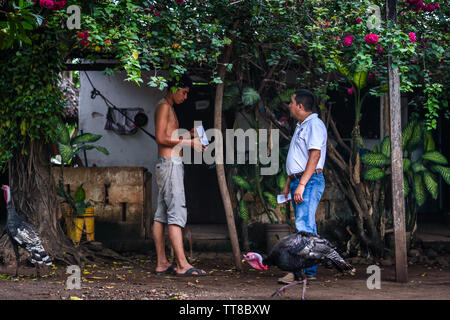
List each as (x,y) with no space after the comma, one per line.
(420,173)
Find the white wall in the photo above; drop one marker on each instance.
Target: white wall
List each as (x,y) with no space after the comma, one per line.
(138,150)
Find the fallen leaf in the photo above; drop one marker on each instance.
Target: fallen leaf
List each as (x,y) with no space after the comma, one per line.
(75,298)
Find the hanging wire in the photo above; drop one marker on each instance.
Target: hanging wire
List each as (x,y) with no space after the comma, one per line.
(109,104)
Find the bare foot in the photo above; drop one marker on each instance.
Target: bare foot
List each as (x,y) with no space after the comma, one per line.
(163,266)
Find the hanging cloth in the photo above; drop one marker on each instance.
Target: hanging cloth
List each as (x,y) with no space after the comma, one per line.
(119,120)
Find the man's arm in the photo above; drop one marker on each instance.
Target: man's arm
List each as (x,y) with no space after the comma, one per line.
(313,160)
(162,138)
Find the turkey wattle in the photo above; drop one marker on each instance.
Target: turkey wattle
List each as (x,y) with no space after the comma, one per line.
(297,252)
(24,234)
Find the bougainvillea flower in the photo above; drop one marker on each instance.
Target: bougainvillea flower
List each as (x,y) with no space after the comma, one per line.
(179,1)
(380,49)
(350,91)
(347,41)
(358,21)
(412,37)
(371,38)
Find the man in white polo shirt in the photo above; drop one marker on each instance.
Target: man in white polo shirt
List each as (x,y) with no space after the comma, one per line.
(304,165)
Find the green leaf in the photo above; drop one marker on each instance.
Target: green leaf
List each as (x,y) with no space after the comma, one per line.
(62,133)
(272,199)
(80,194)
(250,96)
(386,147)
(359,78)
(418,167)
(374,174)
(375,159)
(341,67)
(416,136)
(85,137)
(240,181)
(431,184)
(443,171)
(419,190)
(66,153)
(243,210)
(405,185)
(435,156)
(90,146)
(407,132)
(428,141)
(81,207)
(281,180)
(406,164)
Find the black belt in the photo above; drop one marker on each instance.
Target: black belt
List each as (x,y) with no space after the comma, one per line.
(298,175)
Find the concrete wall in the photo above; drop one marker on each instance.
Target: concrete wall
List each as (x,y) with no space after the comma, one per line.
(138,150)
(120,196)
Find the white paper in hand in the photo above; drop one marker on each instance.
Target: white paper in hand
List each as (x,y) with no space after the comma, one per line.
(202,135)
(282,199)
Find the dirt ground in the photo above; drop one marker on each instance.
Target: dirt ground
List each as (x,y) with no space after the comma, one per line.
(136,280)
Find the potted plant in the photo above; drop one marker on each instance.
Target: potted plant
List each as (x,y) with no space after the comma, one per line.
(79,215)
(260,192)
(79,212)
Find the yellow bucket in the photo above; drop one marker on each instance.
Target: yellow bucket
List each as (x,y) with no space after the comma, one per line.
(77,223)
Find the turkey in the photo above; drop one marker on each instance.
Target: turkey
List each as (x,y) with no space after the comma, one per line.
(297,252)
(24,234)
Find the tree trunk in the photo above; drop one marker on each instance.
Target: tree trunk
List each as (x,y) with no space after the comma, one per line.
(220,167)
(348,177)
(34,197)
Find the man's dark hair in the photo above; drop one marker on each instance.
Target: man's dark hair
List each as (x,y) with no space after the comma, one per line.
(185,81)
(306,98)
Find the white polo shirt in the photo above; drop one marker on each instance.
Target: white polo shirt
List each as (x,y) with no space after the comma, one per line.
(310,134)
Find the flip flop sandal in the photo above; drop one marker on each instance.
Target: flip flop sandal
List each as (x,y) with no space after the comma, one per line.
(190,273)
(169,270)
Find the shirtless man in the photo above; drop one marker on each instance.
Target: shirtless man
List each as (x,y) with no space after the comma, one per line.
(169,175)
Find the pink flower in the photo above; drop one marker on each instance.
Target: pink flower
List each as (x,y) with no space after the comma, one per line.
(52,5)
(107,41)
(358,21)
(371,38)
(179,1)
(380,49)
(83,35)
(84,38)
(412,37)
(158,14)
(327,24)
(350,91)
(347,41)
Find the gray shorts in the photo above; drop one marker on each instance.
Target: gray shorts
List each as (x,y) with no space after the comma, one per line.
(171,200)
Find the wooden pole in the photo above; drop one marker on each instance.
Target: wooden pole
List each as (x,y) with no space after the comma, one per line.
(220,168)
(398,197)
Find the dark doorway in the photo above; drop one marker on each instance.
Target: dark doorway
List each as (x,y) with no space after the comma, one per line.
(203,200)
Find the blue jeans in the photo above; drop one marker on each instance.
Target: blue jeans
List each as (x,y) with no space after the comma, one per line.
(305,212)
